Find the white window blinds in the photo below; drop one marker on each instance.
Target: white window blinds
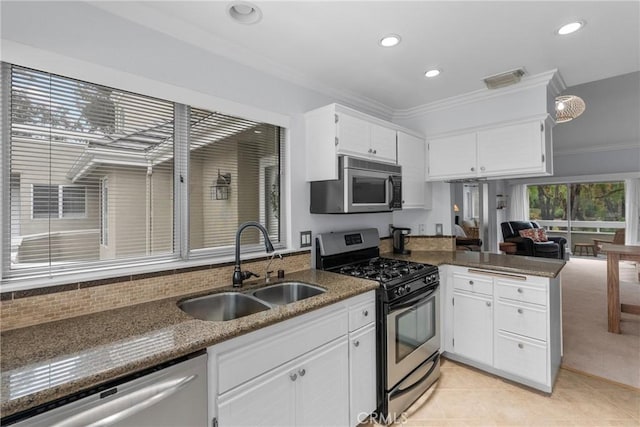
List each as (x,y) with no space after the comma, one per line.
(234,170)
(68,139)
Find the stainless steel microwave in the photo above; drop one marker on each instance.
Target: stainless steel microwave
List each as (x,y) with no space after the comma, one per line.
(362,186)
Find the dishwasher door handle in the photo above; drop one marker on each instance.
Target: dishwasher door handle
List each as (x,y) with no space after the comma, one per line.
(126,405)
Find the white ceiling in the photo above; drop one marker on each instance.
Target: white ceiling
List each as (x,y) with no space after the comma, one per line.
(335,44)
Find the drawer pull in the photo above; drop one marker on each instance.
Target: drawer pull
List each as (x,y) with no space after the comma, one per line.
(293,377)
(488,304)
(520,345)
(356,343)
(365,313)
(301,372)
(519,311)
(471,282)
(520,290)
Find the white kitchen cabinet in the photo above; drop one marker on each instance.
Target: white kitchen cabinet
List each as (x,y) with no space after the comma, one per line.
(337,130)
(504,323)
(301,371)
(521,148)
(362,358)
(416,192)
(473,326)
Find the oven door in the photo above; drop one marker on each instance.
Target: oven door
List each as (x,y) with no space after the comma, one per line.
(367,191)
(412,334)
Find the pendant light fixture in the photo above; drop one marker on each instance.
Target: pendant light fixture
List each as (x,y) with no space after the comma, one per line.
(568,107)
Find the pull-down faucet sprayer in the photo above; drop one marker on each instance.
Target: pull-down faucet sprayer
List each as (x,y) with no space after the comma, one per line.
(238,275)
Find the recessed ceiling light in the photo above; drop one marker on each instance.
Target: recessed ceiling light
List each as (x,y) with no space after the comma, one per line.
(244,12)
(432,73)
(571,27)
(390,40)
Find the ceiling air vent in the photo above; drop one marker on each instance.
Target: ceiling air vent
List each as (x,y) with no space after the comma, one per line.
(504,79)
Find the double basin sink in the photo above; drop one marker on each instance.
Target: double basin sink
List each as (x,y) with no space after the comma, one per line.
(232,305)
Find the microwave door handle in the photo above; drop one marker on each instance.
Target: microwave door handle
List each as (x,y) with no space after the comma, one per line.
(391,192)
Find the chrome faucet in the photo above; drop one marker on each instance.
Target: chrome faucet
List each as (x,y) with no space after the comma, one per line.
(238,275)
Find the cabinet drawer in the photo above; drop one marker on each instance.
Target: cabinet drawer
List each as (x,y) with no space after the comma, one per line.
(361,315)
(521,292)
(471,283)
(521,320)
(522,357)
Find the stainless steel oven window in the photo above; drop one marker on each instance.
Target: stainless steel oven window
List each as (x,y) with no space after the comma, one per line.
(414,328)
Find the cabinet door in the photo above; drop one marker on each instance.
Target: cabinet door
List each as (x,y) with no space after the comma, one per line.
(412,158)
(362,374)
(269,400)
(322,387)
(354,136)
(452,157)
(514,149)
(473,327)
(383,144)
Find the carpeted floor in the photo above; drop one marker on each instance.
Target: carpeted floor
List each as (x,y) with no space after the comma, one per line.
(588,347)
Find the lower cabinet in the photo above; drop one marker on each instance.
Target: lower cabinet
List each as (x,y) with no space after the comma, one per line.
(362,374)
(473,327)
(504,323)
(316,369)
(310,391)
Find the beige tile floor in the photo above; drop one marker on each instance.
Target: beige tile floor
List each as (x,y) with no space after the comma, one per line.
(467,397)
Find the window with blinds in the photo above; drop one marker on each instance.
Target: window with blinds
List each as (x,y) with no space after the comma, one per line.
(234,177)
(68,139)
(91,176)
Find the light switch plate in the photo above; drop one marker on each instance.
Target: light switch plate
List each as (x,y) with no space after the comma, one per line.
(305,239)
(438,229)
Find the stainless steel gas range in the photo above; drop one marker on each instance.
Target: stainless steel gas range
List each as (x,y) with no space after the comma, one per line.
(408,315)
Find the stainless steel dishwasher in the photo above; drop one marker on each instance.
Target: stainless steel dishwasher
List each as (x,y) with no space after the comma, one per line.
(173,394)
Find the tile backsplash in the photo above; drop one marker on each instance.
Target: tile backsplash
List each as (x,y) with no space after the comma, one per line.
(31,307)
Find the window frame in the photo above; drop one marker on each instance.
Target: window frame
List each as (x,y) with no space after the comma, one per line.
(181,257)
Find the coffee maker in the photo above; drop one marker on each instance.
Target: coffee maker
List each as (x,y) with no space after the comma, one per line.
(399,234)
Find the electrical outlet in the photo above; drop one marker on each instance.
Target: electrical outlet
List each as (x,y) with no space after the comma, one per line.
(438,229)
(305,239)
(421,230)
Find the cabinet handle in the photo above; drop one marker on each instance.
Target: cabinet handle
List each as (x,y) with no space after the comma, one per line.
(519,311)
(520,345)
(293,377)
(473,169)
(370,150)
(471,282)
(520,290)
(365,313)
(356,343)
(375,151)
(481,168)
(302,372)
(488,304)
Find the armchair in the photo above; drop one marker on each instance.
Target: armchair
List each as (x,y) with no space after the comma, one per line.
(554,248)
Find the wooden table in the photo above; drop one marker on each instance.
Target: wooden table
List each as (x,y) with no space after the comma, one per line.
(579,247)
(615,253)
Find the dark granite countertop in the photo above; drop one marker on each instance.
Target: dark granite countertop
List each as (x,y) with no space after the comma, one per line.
(543,267)
(45,362)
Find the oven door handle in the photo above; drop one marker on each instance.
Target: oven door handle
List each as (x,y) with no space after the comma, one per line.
(413,301)
(400,391)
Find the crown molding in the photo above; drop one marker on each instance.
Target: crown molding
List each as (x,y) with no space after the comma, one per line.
(145,15)
(551,77)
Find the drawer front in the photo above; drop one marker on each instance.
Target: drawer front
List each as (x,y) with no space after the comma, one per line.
(521,292)
(521,357)
(361,315)
(469,283)
(521,320)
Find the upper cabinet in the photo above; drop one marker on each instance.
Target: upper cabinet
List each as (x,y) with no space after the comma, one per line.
(516,149)
(335,130)
(416,193)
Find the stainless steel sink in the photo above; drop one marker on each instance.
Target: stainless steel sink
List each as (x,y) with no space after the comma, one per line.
(223,306)
(287,292)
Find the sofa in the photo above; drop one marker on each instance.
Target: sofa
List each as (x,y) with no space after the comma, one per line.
(554,247)
(465,242)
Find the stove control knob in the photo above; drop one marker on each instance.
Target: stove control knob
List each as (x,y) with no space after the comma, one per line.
(407,289)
